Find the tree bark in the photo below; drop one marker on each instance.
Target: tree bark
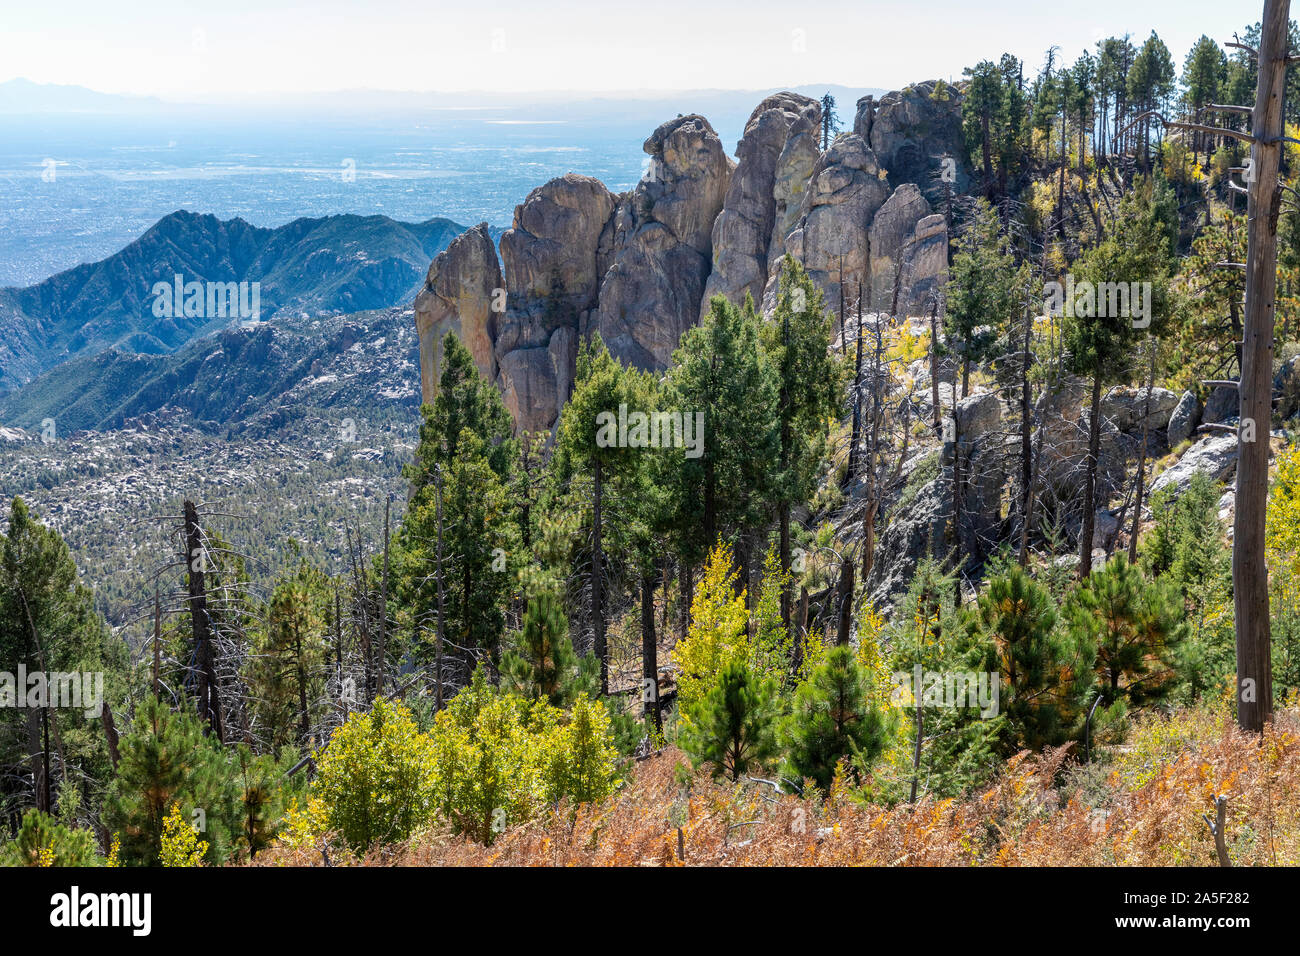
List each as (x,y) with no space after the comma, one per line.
(649,650)
(209,698)
(1090,483)
(1249,571)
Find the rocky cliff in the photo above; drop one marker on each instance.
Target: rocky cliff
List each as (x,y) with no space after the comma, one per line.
(641,267)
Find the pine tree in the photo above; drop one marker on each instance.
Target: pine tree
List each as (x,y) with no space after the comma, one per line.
(167,760)
(542,664)
(833,718)
(810,388)
(1047,669)
(286,673)
(1098,337)
(48,623)
(1136,626)
(733,727)
(720,371)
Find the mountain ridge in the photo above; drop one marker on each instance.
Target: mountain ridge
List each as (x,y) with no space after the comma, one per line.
(326,265)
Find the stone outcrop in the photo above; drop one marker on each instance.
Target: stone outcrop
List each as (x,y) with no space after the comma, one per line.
(1184,419)
(912,132)
(1222,406)
(1128,407)
(1214,455)
(640,268)
(973,441)
(552,278)
(744,230)
(660,247)
(909,253)
(458,296)
(830,239)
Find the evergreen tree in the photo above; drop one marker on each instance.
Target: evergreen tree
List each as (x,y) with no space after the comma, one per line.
(167,760)
(985,291)
(48,623)
(286,674)
(1046,669)
(1098,336)
(830,121)
(1136,626)
(810,386)
(720,371)
(542,664)
(834,717)
(733,726)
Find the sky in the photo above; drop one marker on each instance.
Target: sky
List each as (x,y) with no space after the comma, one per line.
(236,49)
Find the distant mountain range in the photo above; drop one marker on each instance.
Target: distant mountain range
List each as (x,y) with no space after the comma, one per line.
(259,379)
(331,265)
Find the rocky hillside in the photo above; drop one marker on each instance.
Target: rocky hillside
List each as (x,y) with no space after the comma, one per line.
(336,264)
(299,426)
(640,267)
(243,377)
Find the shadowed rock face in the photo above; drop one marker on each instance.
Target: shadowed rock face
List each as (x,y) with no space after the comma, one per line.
(458,297)
(661,245)
(909,252)
(911,131)
(552,277)
(743,231)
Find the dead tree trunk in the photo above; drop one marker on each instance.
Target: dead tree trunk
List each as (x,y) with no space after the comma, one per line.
(209,696)
(1090,482)
(383,602)
(597,597)
(437,650)
(1249,571)
(649,650)
(1142,464)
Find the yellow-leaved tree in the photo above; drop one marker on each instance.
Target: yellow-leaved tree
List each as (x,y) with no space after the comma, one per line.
(1282,548)
(717,635)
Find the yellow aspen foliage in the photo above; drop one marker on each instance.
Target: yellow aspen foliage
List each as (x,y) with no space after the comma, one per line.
(181,845)
(1282,538)
(717,634)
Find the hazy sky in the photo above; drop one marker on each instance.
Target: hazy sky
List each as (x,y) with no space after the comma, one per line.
(176,48)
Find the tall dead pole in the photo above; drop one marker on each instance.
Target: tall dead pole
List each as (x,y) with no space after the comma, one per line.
(1264,197)
(209,696)
(1255,388)
(383,600)
(437,650)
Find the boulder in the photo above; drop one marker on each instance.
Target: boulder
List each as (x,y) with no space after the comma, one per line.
(1214,455)
(660,244)
(794,169)
(1222,406)
(550,248)
(912,131)
(911,534)
(830,240)
(1184,419)
(1287,384)
(550,256)
(1127,407)
(909,252)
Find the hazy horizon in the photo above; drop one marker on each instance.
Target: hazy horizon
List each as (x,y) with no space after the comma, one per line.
(178,52)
